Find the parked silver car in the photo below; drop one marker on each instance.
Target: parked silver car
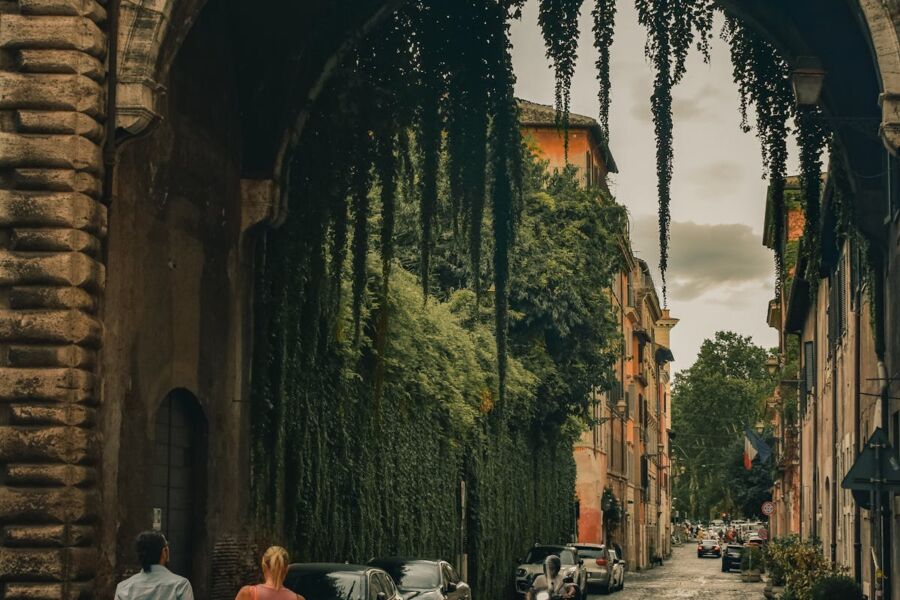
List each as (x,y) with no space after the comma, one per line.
(598,566)
(605,571)
(533,565)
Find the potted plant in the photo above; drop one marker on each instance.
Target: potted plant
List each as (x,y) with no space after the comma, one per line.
(751,564)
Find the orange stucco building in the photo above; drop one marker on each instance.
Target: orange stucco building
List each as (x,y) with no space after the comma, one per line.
(626,449)
(587,148)
(587,151)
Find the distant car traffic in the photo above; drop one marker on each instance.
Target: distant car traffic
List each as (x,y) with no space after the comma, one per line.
(731,557)
(605,571)
(424,579)
(533,565)
(708,547)
(755,541)
(331,581)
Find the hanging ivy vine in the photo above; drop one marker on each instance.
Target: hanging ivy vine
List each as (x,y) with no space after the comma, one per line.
(763,80)
(559,25)
(812,137)
(604,25)
(673,27)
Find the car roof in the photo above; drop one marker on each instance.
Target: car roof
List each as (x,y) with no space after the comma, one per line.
(399,560)
(324,567)
(554,546)
(594,546)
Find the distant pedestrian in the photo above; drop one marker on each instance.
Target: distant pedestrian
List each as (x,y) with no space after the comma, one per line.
(154,581)
(274,568)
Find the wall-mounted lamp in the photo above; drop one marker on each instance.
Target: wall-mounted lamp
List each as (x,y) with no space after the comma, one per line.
(807,79)
(616,413)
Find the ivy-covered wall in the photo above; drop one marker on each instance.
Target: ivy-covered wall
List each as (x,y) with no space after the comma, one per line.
(342,473)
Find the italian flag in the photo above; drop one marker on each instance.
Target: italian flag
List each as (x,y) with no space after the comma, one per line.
(754,446)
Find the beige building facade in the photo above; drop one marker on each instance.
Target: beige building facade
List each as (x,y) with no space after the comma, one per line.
(831,388)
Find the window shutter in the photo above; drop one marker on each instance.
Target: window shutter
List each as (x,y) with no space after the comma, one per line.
(809,363)
(804,390)
(842,298)
(832,312)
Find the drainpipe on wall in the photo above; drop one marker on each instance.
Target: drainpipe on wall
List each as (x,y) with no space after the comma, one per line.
(883,509)
(834,454)
(815,438)
(879,272)
(857,525)
(800,455)
(112,81)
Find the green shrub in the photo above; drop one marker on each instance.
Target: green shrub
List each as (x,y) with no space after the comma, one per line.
(798,565)
(836,587)
(752,558)
(778,557)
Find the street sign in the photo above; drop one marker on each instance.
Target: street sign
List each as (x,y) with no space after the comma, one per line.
(768,508)
(763,533)
(866,472)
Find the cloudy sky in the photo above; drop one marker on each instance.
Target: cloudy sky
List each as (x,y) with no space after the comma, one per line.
(720,276)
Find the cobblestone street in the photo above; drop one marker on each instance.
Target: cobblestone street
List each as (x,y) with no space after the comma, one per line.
(685,576)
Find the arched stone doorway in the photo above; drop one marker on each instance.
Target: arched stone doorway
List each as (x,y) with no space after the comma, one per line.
(178,490)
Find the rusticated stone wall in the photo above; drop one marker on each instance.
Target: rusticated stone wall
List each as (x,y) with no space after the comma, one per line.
(51,276)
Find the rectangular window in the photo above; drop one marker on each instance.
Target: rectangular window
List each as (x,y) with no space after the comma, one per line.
(588,169)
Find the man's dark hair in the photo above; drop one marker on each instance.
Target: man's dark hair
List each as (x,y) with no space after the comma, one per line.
(149,546)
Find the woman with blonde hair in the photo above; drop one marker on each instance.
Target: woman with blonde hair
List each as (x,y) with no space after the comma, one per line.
(274,568)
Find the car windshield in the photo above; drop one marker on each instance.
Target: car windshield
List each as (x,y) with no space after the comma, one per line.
(714,542)
(413,575)
(590,552)
(324,585)
(536,556)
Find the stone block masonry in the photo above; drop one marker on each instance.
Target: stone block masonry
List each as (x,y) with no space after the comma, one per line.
(52,105)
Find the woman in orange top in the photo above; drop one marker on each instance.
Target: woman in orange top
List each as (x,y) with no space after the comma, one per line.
(274,567)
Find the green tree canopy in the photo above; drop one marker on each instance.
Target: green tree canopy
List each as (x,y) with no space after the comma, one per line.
(566,254)
(712,402)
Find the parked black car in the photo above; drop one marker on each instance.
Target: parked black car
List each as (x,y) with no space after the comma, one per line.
(731,558)
(709,548)
(330,581)
(419,579)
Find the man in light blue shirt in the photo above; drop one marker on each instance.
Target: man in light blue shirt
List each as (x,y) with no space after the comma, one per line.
(154,581)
